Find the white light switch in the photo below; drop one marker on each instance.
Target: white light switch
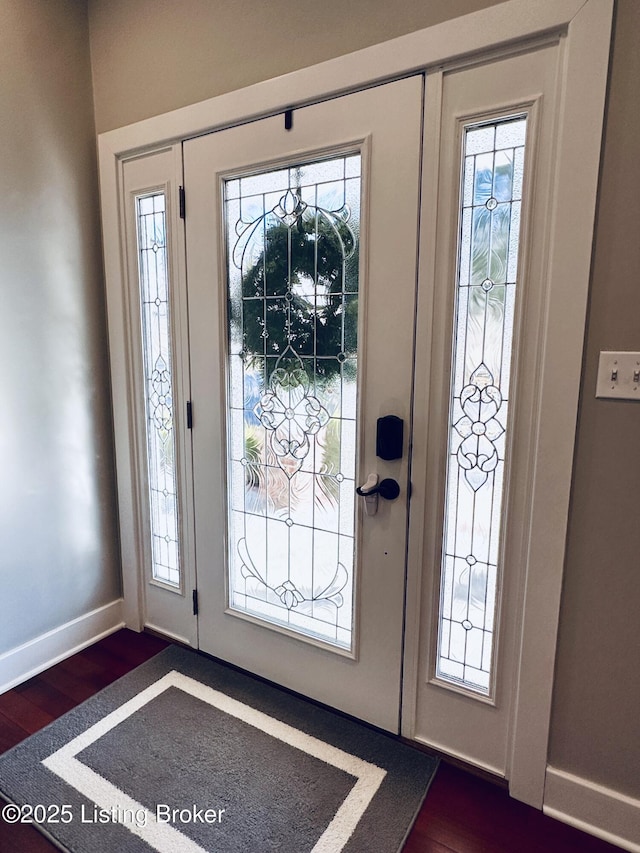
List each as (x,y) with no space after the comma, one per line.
(619,376)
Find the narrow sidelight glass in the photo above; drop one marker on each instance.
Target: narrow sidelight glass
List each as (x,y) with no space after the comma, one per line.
(156,353)
(491,198)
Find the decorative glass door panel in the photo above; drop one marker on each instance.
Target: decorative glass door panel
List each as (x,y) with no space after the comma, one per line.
(492,176)
(157,359)
(292,238)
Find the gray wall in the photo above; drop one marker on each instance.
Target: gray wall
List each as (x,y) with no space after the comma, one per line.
(58,543)
(596,717)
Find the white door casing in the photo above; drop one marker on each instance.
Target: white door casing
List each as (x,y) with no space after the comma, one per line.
(584,29)
(384,124)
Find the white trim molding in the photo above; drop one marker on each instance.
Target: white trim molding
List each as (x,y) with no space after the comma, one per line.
(586,58)
(600,811)
(25,661)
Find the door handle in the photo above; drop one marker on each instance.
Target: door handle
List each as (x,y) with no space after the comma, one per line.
(368,488)
(372,489)
(387,488)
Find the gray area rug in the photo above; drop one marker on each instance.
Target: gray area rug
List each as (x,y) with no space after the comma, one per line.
(184,755)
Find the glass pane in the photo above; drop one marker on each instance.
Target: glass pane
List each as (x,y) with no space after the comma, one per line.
(156,352)
(492,168)
(292,270)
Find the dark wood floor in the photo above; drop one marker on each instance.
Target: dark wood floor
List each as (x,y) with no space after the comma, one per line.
(462,813)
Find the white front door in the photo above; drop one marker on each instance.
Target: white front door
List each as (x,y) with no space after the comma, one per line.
(301,243)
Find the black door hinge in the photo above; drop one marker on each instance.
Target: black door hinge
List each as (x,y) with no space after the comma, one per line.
(195,602)
(189,415)
(181,197)
(288,119)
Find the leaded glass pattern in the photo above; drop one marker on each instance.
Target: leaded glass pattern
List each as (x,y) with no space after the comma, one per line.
(156,353)
(292,259)
(492,177)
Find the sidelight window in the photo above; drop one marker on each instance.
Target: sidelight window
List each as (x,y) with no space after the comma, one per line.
(158,386)
(491,191)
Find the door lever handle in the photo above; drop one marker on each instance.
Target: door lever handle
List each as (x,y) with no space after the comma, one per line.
(387,489)
(369,491)
(370,487)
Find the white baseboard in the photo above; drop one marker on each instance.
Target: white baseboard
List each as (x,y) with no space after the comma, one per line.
(23,662)
(600,811)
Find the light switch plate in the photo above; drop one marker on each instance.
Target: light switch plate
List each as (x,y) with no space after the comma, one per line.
(619,376)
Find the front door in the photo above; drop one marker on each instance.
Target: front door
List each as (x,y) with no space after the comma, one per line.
(301,242)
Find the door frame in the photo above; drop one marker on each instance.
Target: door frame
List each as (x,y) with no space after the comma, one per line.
(584,27)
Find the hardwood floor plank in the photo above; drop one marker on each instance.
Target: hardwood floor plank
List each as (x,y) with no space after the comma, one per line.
(74,687)
(46,697)
(136,649)
(106,661)
(10,733)
(17,707)
(418,842)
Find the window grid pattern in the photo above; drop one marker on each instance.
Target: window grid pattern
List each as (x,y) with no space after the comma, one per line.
(156,352)
(292,249)
(492,178)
